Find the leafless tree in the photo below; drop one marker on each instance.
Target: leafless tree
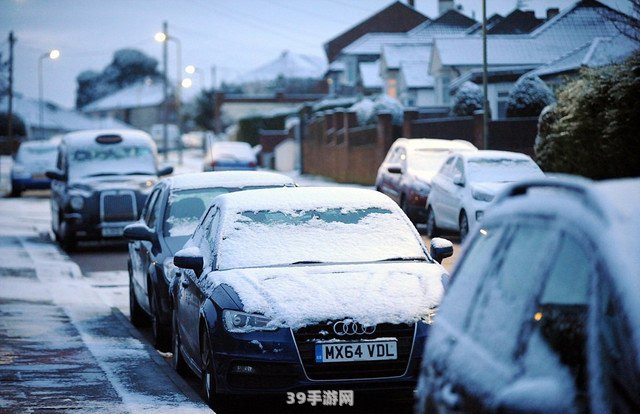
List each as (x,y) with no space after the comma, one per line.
(628,25)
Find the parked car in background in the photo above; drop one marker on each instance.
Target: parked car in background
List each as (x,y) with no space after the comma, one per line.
(406,172)
(466,184)
(230,155)
(100,182)
(31,162)
(543,313)
(284,290)
(168,218)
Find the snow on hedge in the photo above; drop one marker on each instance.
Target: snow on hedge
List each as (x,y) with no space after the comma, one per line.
(528,97)
(467,100)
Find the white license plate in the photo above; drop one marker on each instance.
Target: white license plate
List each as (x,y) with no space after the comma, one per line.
(112,231)
(356,351)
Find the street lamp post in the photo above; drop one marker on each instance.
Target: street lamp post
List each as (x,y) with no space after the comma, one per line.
(164,37)
(52,54)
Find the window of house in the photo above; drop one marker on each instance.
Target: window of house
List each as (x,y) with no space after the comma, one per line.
(392,88)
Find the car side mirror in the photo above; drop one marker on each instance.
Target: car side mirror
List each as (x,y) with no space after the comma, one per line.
(165,171)
(56,175)
(458,180)
(139,231)
(395,169)
(441,249)
(189,258)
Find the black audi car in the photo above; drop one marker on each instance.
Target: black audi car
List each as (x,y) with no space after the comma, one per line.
(305,292)
(101,181)
(168,218)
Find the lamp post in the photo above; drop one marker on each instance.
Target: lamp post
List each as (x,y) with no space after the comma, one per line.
(52,54)
(164,37)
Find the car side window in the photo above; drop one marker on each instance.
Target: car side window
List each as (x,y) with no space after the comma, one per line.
(470,273)
(561,315)
(150,212)
(446,167)
(508,291)
(395,157)
(458,168)
(615,371)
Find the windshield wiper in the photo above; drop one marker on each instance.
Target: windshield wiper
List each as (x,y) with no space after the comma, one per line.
(306,262)
(404,259)
(101,174)
(140,173)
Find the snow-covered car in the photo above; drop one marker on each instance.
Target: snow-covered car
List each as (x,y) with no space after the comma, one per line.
(32,161)
(169,217)
(230,155)
(466,184)
(100,182)
(406,172)
(302,289)
(542,314)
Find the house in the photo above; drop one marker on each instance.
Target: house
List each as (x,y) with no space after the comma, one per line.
(459,58)
(396,18)
(139,105)
(55,119)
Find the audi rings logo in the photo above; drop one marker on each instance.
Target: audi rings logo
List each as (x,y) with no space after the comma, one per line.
(349,327)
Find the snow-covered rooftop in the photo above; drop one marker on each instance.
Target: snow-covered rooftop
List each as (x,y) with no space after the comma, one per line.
(567,31)
(416,75)
(287,65)
(371,43)
(139,95)
(57,118)
(597,52)
(395,54)
(450,23)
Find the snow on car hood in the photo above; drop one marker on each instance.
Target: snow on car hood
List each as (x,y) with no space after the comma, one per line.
(489,187)
(370,293)
(132,182)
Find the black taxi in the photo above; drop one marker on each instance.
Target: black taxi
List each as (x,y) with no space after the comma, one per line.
(101,181)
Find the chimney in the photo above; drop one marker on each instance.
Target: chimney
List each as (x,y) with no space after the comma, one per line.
(552,12)
(444,6)
(411,3)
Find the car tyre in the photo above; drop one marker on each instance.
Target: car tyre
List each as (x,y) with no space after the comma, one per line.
(15,191)
(432,228)
(161,335)
(216,401)
(464,225)
(67,237)
(177,361)
(136,314)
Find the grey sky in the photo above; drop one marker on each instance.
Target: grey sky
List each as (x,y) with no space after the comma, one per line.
(235,36)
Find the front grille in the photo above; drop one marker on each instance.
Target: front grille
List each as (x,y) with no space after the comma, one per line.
(116,206)
(307,337)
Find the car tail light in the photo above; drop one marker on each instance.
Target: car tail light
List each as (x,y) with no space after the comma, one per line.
(252,164)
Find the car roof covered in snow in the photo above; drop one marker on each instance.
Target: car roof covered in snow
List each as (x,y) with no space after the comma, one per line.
(82,139)
(436,143)
(230,179)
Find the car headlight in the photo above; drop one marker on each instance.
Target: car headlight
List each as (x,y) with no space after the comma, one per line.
(146,185)
(76,202)
(482,196)
(240,322)
(429,316)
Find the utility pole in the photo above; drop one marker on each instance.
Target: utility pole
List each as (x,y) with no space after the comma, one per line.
(165,108)
(485,102)
(12,41)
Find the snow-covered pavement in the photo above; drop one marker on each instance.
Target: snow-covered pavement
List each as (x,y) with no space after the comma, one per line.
(62,346)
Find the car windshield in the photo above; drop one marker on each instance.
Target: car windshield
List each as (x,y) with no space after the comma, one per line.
(185,207)
(427,159)
(111,160)
(42,154)
(501,169)
(323,235)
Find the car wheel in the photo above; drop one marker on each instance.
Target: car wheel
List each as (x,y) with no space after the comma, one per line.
(216,401)
(136,314)
(464,225)
(161,336)
(67,237)
(15,191)
(176,360)
(432,229)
